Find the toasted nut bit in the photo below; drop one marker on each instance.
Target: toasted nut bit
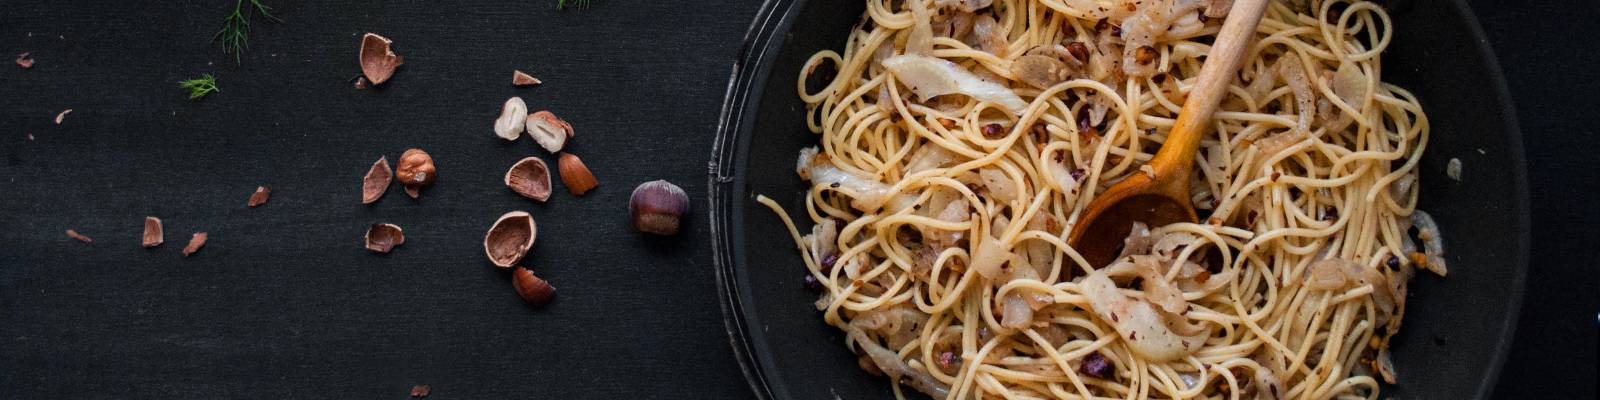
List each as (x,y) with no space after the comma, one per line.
(62,115)
(577,176)
(23,61)
(260,196)
(381,238)
(415,170)
(535,291)
(199,239)
(378,61)
(80,237)
(530,178)
(419,391)
(510,238)
(153,236)
(519,78)
(1144,55)
(377,181)
(657,207)
(512,116)
(550,131)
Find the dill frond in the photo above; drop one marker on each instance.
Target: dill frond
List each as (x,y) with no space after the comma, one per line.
(579,4)
(200,87)
(235,32)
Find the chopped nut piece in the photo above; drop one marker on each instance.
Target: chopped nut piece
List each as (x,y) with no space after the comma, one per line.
(378,61)
(550,131)
(535,291)
(512,117)
(80,237)
(510,238)
(377,181)
(199,239)
(381,238)
(419,391)
(519,78)
(576,175)
(23,61)
(260,196)
(530,178)
(63,114)
(153,236)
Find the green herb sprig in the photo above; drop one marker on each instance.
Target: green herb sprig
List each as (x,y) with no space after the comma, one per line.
(579,4)
(235,32)
(200,87)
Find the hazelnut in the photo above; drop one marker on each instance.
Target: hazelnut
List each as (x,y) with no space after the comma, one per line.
(153,235)
(415,170)
(381,238)
(378,61)
(377,181)
(550,131)
(658,207)
(510,238)
(260,196)
(535,291)
(199,239)
(577,176)
(519,78)
(530,178)
(512,116)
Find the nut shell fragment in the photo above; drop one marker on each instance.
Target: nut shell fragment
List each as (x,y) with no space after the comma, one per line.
(576,175)
(78,236)
(510,238)
(530,178)
(260,196)
(377,181)
(381,238)
(195,242)
(378,61)
(153,235)
(535,291)
(550,131)
(519,78)
(512,116)
(24,61)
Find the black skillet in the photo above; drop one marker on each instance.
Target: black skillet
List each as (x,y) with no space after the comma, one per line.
(1457,329)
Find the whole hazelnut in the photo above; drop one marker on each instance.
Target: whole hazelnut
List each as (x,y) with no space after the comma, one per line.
(658,207)
(415,170)
(535,291)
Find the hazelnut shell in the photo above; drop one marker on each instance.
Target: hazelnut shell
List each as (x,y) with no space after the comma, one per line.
(510,238)
(530,178)
(657,207)
(378,61)
(195,242)
(575,175)
(153,235)
(519,78)
(381,238)
(535,291)
(377,181)
(260,196)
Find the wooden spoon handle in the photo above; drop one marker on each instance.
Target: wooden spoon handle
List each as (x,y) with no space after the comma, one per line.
(1177,154)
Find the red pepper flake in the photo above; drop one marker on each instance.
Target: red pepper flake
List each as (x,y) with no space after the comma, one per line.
(63,114)
(420,391)
(80,237)
(1202,277)
(1095,365)
(1134,336)
(1144,55)
(260,196)
(24,61)
(1078,51)
(993,131)
(948,360)
(199,239)
(1114,318)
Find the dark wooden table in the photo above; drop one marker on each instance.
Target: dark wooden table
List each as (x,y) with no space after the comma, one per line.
(283,302)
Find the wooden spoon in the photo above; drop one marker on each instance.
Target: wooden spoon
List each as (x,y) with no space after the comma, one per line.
(1163,197)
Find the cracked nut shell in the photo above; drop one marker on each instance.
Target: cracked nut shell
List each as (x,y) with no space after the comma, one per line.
(510,238)
(535,291)
(378,61)
(575,175)
(377,181)
(530,178)
(381,238)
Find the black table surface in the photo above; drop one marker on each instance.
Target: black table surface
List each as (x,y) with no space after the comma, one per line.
(283,301)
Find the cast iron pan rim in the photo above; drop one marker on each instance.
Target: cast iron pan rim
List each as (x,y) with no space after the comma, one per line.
(764,37)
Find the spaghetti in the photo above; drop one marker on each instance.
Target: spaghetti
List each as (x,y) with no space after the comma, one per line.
(960,139)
